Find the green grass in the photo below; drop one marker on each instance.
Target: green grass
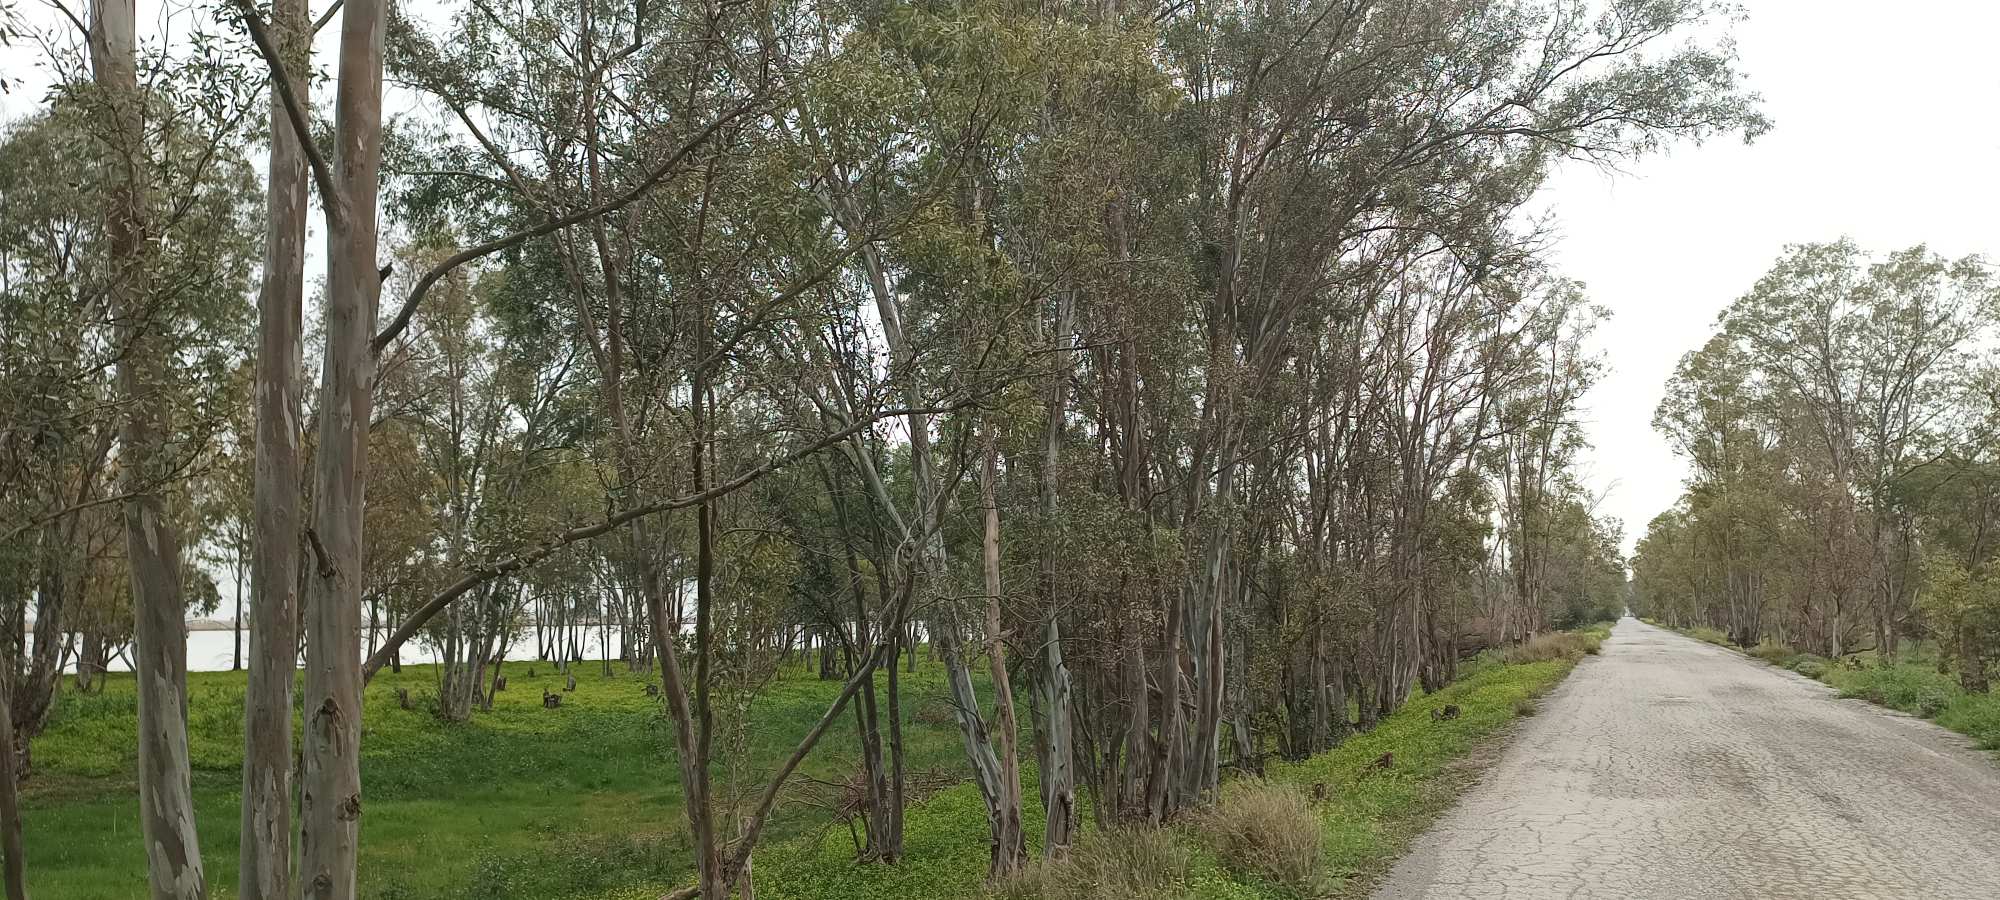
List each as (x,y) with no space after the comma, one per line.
(1371,814)
(581,801)
(1368,817)
(1714,636)
(1917,688)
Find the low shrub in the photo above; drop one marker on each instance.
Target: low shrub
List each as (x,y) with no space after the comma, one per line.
(1974,715)
(1912,689)
(1266,829)
(1121,864)
(1810,666)
(1711,635)
(1554,645)
(1774,653)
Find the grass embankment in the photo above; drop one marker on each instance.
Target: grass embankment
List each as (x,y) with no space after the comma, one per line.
(1315,828)
(583,801)
(1913,684)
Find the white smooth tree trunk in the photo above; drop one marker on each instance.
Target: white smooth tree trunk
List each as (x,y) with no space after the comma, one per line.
(330,794)
(1057,771)
(264,856)
(152,542)
(1010,847)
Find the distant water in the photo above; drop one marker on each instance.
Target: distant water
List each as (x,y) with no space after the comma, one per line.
(213,651)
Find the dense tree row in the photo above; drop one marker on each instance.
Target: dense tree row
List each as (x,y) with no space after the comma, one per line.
(1841,426)
(1189,369)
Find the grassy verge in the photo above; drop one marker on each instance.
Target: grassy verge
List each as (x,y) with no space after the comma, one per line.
(1350,817)
(583,801)
(1912,685)
(1370,814)
(521,802)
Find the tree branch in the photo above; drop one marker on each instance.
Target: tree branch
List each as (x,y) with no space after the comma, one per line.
(281,81)
(659,172)
(478,575)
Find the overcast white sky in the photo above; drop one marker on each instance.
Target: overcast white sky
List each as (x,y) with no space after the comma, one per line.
(1886,132)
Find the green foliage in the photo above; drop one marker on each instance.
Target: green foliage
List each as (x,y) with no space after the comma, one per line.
(1712,635)
(1916,687)
(1810,666)
(1974,715)
(1774,653)
(1962,606)
(1917,690)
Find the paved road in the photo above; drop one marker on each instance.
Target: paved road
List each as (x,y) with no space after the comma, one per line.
(1669,769)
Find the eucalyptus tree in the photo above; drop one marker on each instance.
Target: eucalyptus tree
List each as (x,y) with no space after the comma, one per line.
(1315,128)
(1831,393)
(154,279)
(54,381)
(676,107)
(1188,359)
(264,842)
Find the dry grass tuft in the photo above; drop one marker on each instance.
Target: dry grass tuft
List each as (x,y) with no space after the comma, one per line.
(1553,645)
(1138,863)
(1267,829)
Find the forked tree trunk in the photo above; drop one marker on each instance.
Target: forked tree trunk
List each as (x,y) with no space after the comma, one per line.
(330,801)
(264,850)
(152,542)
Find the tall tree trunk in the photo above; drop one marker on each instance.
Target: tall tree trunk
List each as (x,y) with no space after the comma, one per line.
(1053,685)
(15,869)
(264,848)
(236,622)
(1971,661)
(330,802)
(894,698)
(714,881)
(1010,848)
(152,542)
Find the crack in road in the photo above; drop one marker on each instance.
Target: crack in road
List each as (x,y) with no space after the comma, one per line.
(1670,769)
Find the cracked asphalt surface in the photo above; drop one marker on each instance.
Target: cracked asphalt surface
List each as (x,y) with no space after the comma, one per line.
(1668,768)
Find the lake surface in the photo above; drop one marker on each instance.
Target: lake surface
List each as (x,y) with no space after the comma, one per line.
(213,651)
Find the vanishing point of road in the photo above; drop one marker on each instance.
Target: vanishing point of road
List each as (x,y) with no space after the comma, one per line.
(1669,769)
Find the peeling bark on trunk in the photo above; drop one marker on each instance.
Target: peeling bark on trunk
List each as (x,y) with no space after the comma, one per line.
(330,801)
(264,857)
(152,543)
(1058,774)
(1010,848)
